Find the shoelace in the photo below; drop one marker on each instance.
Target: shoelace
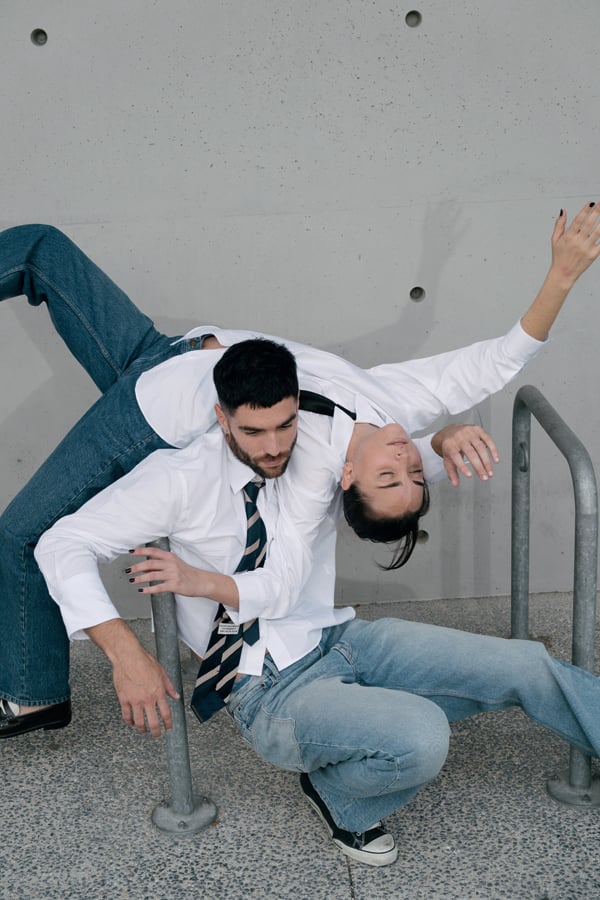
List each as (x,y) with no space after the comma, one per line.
(360,837)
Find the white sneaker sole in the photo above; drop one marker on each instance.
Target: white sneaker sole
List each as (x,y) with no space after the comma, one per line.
(369,858)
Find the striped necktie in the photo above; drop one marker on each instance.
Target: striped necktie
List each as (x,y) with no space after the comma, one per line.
(219,667)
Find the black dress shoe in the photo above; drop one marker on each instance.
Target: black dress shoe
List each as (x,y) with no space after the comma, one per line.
(57,716)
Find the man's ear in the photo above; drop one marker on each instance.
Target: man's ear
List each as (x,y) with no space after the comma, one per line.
(347,478)
(222,419)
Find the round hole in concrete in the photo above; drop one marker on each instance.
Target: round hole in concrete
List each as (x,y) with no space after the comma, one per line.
(413,18)
(39,37)
(417,294)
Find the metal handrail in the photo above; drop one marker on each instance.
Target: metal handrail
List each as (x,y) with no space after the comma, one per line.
(578,787)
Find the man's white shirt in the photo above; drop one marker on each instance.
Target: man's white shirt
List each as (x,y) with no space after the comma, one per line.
(195,497)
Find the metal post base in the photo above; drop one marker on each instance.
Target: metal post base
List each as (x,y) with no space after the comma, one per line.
(561,790)
(184,824)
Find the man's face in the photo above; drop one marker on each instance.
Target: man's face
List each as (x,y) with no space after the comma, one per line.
(263,439)
(388,472)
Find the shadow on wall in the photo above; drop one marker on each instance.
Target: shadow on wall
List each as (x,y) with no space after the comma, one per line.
(444,226)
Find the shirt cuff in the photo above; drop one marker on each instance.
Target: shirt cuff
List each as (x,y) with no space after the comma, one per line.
(251,603)
(83,604)
(433,464)
(521,346)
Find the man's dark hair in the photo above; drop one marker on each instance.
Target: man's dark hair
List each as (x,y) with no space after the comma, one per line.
(258,373)
(403,529)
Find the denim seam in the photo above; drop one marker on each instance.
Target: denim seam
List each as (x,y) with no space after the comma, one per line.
(461,695)
(24,671)
(141,364)
(74,309)
(370,752)
(282,720)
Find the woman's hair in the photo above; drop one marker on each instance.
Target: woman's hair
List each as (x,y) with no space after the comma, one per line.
(403,529)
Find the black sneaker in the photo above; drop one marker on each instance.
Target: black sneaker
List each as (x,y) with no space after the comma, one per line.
(374,847)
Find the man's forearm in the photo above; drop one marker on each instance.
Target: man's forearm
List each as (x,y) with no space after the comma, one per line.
(115,638)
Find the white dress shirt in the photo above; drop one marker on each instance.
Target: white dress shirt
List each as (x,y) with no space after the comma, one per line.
(177,396)
(193,495)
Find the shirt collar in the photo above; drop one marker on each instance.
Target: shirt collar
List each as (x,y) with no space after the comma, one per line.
(367,412)
(343,425)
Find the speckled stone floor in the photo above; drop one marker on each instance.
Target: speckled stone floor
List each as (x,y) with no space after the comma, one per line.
(77,804)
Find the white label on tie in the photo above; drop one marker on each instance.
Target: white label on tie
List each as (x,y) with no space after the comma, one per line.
(228,628)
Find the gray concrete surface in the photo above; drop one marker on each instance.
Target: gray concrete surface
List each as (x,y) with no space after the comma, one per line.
(299,168)
(77,804)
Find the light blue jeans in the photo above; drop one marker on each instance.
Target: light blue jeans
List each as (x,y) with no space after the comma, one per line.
(367,711)
(114,342)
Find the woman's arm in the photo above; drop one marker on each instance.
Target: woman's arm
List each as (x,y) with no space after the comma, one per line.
(574,249)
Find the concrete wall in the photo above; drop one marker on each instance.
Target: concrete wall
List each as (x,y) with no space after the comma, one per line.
(301,167)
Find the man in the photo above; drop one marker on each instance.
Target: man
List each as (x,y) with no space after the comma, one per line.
(360,709)
(157,394)
(195,496)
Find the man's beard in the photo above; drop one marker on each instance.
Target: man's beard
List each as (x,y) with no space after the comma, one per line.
(241,454)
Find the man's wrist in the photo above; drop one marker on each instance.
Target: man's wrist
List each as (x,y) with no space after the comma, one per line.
(114,637)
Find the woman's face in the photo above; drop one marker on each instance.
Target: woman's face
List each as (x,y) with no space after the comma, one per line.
(387,470)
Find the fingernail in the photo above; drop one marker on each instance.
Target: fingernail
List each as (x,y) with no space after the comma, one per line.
(560,214)
(130,551)
(131,580)
(127,571)
(140,590)
(593,203)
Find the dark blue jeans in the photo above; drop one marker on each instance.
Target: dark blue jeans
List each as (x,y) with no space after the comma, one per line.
(114,342)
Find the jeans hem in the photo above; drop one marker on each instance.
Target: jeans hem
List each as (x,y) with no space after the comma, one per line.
(30,701)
